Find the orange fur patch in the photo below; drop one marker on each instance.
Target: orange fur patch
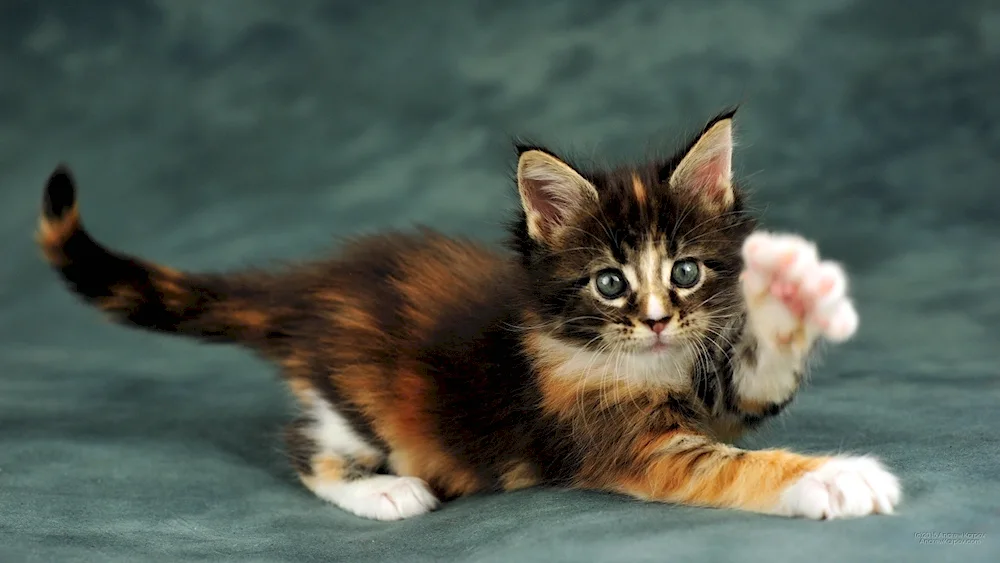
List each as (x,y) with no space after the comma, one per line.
(250,319)
(53,234)
(329,467)
(173,293)
(170,273)
(123,297)
(302,389)
(521,475)
(325,468)
(351,313)
(295,364)
(429,277)
(639,189)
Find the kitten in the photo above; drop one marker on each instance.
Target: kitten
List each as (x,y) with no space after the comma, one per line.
(639,325)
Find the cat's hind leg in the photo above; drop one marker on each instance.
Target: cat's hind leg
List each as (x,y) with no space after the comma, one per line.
(354,488)
(339,466)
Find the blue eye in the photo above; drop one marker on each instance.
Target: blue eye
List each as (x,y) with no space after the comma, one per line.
(685,273)
(611,283)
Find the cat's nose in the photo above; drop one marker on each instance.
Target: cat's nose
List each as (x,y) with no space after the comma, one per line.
(657,326)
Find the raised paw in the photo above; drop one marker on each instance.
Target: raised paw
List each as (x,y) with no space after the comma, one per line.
(844,487)
(380,497)
(793,296)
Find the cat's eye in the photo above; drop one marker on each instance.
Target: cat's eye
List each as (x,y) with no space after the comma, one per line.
(685,273)
(611,283)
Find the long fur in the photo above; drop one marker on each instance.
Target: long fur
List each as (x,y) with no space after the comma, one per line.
(427,356)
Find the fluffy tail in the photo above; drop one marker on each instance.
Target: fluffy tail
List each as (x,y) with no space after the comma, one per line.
(142,294)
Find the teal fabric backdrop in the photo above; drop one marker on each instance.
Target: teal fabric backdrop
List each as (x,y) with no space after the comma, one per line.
(216,134)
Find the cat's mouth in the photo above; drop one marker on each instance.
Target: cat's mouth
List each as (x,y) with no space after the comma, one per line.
(654,346)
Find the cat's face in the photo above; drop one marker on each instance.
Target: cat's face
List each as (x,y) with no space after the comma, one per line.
(641,262)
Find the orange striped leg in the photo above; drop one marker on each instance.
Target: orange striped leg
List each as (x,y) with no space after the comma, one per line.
(692,469)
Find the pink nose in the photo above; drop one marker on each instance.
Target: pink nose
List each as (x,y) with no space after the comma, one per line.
(657,326)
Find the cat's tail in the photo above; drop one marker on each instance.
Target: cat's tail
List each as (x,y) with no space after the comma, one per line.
(215,308)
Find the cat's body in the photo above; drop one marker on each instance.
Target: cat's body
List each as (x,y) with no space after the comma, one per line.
(615,349)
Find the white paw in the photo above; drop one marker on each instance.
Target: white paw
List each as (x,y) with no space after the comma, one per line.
(844,487)
(793,297)
(380,497)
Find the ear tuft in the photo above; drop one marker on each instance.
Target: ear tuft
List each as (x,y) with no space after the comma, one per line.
(707,167)
(552,193)
(728,113)
(522,147)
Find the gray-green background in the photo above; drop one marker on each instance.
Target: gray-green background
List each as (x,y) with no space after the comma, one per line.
(210,134)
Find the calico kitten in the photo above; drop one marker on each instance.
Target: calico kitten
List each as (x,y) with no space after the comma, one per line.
(638,327)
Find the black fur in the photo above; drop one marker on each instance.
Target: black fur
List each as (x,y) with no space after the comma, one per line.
(60,193)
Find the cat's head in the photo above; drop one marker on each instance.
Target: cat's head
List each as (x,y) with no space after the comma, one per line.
(642,260)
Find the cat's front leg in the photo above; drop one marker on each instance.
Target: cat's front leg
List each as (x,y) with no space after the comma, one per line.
(793,298)
(689,468)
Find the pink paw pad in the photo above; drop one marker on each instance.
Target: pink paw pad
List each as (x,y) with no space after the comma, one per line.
(789,293)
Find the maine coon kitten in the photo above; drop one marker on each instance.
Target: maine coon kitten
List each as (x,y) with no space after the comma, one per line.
(639,326)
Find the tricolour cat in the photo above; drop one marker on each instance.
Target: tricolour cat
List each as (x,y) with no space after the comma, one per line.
(639,325)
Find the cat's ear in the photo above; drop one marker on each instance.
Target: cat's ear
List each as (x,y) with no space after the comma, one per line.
(552,193)
(707,167)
